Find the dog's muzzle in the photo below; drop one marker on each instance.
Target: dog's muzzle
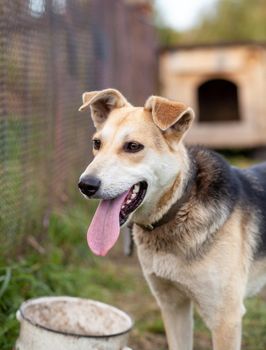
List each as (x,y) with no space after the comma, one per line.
(89,185)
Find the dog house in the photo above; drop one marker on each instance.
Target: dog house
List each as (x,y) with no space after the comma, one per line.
(226,86)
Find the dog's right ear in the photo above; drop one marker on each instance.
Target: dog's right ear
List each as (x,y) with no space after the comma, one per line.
(102,103)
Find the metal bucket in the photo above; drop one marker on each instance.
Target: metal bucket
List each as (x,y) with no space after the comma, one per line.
(66,323)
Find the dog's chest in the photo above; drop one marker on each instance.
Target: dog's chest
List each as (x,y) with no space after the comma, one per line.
(196,277)
(164,265)
(160,262)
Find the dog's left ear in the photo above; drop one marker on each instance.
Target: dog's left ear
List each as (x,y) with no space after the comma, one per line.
(169,114)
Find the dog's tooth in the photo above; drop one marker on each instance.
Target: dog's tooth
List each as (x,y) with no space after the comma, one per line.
(123,206)
(136,189)
(133,195)
(128,201)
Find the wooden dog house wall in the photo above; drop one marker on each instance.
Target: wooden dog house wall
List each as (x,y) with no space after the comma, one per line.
(226,86)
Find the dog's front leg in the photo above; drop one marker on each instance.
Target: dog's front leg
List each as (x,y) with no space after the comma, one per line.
(227,335)
(177,313)
(178,324)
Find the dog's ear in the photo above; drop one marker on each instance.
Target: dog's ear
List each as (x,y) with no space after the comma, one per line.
(102,103)
(170,115)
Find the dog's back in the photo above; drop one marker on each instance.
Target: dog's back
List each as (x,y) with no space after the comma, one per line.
(252,184)
(235,187)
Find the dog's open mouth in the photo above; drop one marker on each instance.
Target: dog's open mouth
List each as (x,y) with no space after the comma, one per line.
(110,215)
(132,201)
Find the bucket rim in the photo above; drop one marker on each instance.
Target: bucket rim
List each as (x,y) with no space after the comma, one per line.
(38,300)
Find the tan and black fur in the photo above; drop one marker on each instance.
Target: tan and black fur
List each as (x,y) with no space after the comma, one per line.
(210,251)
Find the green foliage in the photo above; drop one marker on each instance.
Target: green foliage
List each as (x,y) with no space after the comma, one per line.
(228,20)
(168,36)
(232,20)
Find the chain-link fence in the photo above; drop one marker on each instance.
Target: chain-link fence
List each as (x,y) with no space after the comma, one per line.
(50,52)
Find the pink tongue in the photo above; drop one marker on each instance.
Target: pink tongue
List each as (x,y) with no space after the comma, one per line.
(104,228)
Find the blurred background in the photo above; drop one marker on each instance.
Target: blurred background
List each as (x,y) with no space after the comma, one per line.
(210,54)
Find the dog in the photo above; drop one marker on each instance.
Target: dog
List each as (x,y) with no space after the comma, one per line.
(199,224)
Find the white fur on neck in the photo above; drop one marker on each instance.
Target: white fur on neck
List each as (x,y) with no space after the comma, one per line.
(149,212)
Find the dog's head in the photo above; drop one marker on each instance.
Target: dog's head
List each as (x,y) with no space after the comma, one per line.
(136,156)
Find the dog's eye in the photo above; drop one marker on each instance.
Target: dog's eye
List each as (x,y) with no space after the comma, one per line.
(133,147)
(96,144)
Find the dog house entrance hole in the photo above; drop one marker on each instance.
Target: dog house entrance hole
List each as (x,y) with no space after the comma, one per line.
(218,101)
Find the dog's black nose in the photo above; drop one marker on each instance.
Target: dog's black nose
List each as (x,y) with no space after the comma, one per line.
(89,185)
